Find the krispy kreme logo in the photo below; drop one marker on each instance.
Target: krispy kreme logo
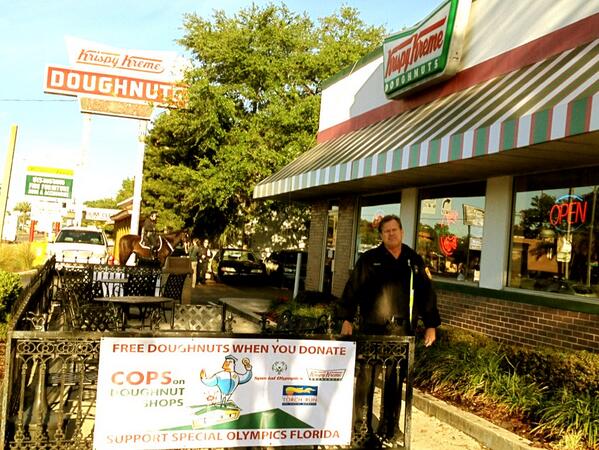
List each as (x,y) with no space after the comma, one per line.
(414,49)
(415,56)
(116,60)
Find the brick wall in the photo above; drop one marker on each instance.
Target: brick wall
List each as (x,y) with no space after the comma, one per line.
(520,323)
(318,223)
(344,248)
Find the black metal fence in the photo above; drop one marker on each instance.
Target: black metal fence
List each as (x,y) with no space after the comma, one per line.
(49,391)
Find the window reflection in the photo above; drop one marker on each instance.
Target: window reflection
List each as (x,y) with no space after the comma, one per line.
(371,214)
(555,235)
(450,235)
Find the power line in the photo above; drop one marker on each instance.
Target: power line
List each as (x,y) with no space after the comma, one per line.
(35,100)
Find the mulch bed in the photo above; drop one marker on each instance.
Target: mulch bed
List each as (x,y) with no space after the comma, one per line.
(497,415)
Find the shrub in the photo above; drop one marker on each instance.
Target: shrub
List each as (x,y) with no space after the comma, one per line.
(16,257)
(555,392)
(10,288)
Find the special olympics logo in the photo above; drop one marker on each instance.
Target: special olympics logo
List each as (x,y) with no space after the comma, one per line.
(279,367)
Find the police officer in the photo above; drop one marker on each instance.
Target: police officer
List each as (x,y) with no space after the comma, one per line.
(150,233)
(392,289)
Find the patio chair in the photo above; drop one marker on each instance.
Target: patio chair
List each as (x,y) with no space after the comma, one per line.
(198,317)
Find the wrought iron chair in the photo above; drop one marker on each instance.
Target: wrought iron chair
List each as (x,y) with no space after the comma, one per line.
(199,318)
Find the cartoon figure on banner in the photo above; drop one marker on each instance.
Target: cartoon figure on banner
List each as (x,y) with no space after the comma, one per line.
(226,381)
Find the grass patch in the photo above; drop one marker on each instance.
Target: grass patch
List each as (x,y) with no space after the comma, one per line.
(17,257)
(551,396)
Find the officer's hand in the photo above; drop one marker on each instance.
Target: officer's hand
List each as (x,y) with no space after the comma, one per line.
(346,328)
(430,335)
(246,364)
(202,374)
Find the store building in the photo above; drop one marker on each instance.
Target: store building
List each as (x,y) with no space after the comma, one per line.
(479,127)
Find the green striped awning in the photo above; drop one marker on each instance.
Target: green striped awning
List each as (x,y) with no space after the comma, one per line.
(550,100)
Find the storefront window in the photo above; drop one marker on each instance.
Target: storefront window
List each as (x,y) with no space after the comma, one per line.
(450,230)
(555,233)
(372,210)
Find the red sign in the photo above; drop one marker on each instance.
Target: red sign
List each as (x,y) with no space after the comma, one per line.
(62,80)
(569,210)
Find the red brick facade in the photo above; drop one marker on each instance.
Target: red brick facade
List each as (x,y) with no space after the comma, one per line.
(344,247)
(520,323)
(318,226)
(345,244)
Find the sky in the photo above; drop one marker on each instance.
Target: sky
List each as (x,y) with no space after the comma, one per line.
(50,127)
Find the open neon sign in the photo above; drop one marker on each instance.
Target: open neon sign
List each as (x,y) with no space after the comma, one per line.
(568,210)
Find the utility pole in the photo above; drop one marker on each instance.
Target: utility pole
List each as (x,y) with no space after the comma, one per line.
(12,142)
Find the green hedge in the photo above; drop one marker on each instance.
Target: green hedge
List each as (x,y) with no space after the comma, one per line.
(556,392)
(10,289)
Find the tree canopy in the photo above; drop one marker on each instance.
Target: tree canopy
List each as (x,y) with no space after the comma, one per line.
(253,106)
(124,193)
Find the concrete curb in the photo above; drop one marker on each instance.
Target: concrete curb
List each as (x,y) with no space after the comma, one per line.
(485,432)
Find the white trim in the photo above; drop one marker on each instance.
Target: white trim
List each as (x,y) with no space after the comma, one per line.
(389,162)
(468,144)
(524,124)
(444,150)
(375,164)
(423,160)
(558,121)
(405,157)
(594,122)
(494,137)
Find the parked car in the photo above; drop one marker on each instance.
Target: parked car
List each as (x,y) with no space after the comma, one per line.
(281,267)
(235,264)
(79,245)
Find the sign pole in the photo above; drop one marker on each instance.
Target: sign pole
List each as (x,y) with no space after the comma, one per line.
(85,138)
(139,172)
(7,174)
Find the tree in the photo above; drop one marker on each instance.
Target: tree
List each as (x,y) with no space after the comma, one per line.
(24,210)
(253,107)
(101,203)
(125,192)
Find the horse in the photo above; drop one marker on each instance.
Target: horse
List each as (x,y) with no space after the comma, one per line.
(131,243)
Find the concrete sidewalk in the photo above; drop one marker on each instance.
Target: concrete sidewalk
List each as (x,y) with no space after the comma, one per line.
(436,425)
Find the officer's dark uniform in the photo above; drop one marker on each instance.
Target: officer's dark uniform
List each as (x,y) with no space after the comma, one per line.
(380,286)
(151,236)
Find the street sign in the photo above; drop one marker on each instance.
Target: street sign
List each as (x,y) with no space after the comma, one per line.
(42,186)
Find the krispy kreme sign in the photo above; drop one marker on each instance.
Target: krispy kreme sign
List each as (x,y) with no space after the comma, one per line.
(426,53)
(67,81)
(118,82)
(124,61)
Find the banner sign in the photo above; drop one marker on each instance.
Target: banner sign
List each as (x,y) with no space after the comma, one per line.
(426,53)
(167,393)
(473,216)
(102,77)
(62,80)
(99,214)
(42,186)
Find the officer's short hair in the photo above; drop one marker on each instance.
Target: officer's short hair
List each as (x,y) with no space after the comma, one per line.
(389,218)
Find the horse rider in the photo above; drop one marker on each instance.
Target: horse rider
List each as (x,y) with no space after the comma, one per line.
(150,234)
